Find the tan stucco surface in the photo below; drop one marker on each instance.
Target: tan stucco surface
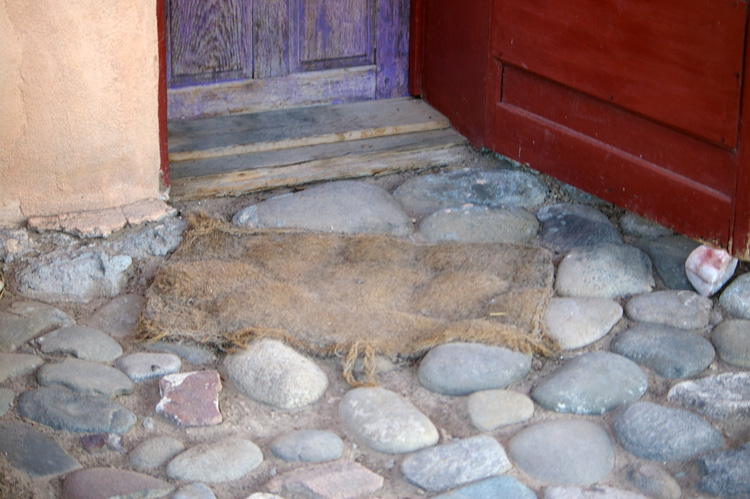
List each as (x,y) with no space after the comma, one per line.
(78,106)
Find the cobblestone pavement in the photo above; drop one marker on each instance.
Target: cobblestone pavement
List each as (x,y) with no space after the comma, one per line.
(649,397)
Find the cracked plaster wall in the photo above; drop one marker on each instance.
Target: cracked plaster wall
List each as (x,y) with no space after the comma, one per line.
(78,106)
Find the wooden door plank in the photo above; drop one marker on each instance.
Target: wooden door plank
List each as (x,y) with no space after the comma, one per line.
(247,133)
(674,61)
(378,156)
(740,240)
(392,48)
(272,27)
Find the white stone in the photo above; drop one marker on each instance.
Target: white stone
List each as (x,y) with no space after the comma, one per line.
(708,269)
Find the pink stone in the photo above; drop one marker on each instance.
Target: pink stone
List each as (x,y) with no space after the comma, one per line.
(708,269)
(190,399)
(333,480)
(150,210)
(96,483)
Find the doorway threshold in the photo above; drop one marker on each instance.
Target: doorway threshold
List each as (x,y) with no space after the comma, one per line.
(238,154)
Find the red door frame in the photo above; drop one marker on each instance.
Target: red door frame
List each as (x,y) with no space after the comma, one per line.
(161,28)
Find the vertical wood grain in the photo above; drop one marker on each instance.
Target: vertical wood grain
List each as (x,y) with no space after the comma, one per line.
(392,42)
(272,37)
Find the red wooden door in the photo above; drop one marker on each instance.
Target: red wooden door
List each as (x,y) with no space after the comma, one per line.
(226,56)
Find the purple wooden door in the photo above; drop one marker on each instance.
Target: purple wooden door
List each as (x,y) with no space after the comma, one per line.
(227,56)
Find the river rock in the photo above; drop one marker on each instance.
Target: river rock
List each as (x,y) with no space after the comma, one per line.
(339,479)
(479,224)
(18,364)
(504,486)
(682,309)
(82,342)
(732,340)
(87,378)
(32,452)
(154,452)
(736,297)
(578,322)
(118,317)
(654,481)
(311,446)
(195,490)
(668,255)
(25,320)
(598,492)
(142,366)
(566,226)
(223,461)
(491,409)
(635,225)
(727,473)
(723,396)
(109,482)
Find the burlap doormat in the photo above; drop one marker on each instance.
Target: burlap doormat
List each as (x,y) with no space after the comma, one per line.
(347,295)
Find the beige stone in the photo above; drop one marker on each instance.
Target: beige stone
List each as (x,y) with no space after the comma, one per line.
(150,210)
(97,223)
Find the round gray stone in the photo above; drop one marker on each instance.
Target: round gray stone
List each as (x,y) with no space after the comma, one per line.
(573,389)
(566,226)
(604,271)
(570,451)
(427,194)
(727,473)
(119,317)
(154,452)
(668,351)
(723,396)
(654,481)
(195,354)
(346,206)
(216,462)
(385,421)
(736,297)
(659,433)
(82,342)
(682,309)
(109,482)
(732,340)
(26,320)
(457,463)
(87,378)
(310,446)
(491,409)
(504,486)
(61,409)
(142,366)
(599,492)
(578,322)
(196,490)
(668,255)
(7,397)
(273,373)
(636,225)
(464,368)
(479,224)
(32,452)
(18,364)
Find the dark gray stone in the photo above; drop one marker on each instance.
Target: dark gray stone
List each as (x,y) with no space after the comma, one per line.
(142,366)
(727,473)
(654,481)
(87,378)
(457,463)
(18,364)
(347,206)
(723,396)
(682,309)
(310,446)
(668,255)
(659,433)
(566,226)
(668,351)
(62,409)
(427,194)
(154,452)
(464,368)
(223,461)
(505,487)
(604,271)
(34,453)
(732,341)
(112,483)
(636,225)
(26,320)
(573,389)
(82,342)
(567,451)
(479,224)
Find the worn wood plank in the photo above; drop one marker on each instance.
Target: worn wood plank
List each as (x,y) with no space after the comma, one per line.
(677,62)
(392,48)
(367,158)
(270,130)
(294,90)
(273,27)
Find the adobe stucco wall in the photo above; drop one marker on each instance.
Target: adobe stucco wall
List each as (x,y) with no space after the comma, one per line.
(78,106)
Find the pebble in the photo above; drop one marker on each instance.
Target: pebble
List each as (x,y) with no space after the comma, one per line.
(479,224)
(604,271)
(736,297)
(566,451)
(578,322)
(223,461)
(659,433)
(654,481)
(668,255)
(682,309)
(26,320)
(309,446)
(427,194)
(190,399)
(118,317)
(7,396)
(62,409)
(108,482)
(723,396)
(32,452)
(385,421)
(18,364)
(599,492)
(82,342)
(337,479)
(87,378)
(142,366)
(708,269)
(464,368)
(155,452)
(196,490)
(504,486)
(732,341)
(491,409)
(668,351)
(636,225)
(573,389)
(566,226)
(457,463)
(727,473)
(273,373)
(350,207)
